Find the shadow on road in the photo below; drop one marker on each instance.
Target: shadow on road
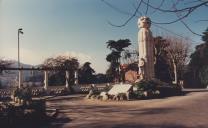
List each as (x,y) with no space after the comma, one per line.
(58,122)
(152,126)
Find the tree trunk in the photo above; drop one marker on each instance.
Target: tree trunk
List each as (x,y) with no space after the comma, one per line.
(175,73)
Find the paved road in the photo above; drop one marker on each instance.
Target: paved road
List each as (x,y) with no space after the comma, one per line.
(189,111)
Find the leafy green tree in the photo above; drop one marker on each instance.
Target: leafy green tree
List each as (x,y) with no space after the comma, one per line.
(203,76)
(57,77)
(205,36)
(116,47)
(197,73)
(5,64)
(162,67)
(0,84)
(86,74)
(171,57)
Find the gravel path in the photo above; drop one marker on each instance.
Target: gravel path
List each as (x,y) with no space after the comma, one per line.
(190,111)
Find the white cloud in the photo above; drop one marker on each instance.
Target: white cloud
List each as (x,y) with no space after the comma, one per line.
(82,57)
(33,57)
(97,63)
(26,56)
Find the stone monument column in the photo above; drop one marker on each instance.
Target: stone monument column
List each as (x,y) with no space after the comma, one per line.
(146,49)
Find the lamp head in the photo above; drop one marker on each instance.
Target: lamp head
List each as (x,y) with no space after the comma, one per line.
(20,30)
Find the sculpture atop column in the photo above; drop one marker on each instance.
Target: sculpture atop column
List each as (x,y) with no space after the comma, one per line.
(146,49)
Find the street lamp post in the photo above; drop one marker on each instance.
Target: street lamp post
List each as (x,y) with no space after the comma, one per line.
(19,32)
(20,71)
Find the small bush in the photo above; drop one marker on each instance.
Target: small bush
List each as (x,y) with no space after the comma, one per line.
(171,90)
(155,89)
(24,94)
(146,85)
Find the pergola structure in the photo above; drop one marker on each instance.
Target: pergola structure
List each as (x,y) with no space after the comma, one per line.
(20,81)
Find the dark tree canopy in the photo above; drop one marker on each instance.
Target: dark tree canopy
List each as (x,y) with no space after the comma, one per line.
(5,64)
(197,74)
(171,58)
(205,36)
(58,77)
(86,74)
(113,56)
(116,47)
(162,67)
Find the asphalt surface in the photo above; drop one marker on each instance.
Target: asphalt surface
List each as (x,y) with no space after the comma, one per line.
(189,111)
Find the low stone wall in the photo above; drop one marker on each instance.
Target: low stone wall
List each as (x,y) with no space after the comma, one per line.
(86,88)
(6,93)
(53,90)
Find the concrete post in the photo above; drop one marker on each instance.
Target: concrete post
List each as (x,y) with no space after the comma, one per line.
(46,80)
(67,79)
(76,78)
(20,78)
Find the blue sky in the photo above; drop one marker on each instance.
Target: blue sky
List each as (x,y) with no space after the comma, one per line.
(54,27)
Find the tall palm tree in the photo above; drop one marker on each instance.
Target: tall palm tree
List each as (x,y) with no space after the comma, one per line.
(116,48)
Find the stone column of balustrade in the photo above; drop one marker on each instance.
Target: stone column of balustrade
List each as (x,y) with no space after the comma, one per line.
(20,79)
(76,78)
(67,79)
(45,79)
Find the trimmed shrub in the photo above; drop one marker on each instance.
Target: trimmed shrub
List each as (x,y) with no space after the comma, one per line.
(155,89)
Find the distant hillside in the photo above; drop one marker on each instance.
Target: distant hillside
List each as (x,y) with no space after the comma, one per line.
(8,78)
(15,65)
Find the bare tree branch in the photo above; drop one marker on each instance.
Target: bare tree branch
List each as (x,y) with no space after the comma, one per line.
(172,32)
(180,18)
(191,2)
(184,12)
(155,10)
(201,21)
(147,8)
(178,51)
(129,19)
(178,15)
(188,11)
(115,8)
(135,7)
(176,10)
(189,28)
